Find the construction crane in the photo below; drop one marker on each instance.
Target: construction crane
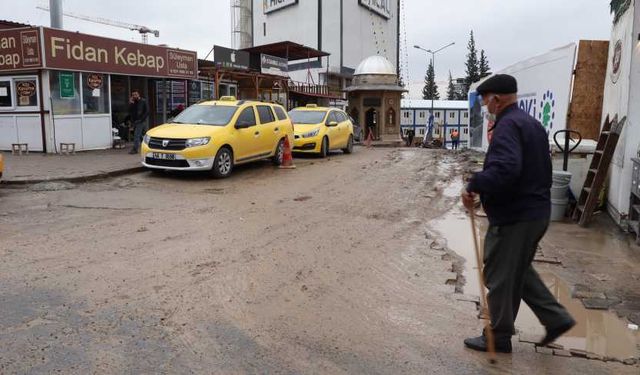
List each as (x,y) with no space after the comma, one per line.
(143,30)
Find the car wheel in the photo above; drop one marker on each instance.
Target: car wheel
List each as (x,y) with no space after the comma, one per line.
(278,158)
(349,148)
(223,163)
(324,149)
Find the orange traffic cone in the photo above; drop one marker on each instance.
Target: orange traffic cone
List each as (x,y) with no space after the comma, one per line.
(287,158)
(369,141)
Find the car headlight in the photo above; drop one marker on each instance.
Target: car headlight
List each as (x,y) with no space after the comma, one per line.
(310,134)
(146,139)
(194,142)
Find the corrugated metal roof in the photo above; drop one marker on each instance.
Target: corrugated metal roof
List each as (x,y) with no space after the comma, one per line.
(6,24)
(437,104)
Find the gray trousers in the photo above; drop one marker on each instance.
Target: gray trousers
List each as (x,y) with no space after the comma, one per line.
(139,130)
(510,277)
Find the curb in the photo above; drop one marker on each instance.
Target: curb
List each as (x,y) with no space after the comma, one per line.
(77,179)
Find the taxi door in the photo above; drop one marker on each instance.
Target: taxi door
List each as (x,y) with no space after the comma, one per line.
(246,135)
(345,129)
(269,130)
(333,132)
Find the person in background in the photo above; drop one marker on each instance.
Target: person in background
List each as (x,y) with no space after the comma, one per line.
(138,114)
(410,135)
(455,139)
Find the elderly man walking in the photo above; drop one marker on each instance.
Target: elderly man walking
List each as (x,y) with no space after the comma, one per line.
(514,188)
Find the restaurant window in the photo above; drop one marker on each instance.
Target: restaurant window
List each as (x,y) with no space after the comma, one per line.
(207,91)
(26,90)
(5,94)
(65,93)
(95,96)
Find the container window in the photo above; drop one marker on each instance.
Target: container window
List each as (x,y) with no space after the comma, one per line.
(65,93)
(5,95)
(95,95)
(26,92)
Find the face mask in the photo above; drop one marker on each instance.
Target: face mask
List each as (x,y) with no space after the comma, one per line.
(490,117)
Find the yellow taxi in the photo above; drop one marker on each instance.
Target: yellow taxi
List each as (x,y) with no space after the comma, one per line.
(319,130)
(217,135)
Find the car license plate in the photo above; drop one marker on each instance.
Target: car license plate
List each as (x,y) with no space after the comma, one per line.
(158,155)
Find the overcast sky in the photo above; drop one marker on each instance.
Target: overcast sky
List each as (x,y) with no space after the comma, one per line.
(509,31)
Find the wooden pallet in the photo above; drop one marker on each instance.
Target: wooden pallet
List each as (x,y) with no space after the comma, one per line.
(598,170)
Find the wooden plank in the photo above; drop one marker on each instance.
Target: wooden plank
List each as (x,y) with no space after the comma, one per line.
(585,111)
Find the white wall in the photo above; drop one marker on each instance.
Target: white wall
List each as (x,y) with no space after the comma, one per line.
(359,40)
(299,23)
(621,98)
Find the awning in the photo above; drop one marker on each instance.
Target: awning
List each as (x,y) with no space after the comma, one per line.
(287,50)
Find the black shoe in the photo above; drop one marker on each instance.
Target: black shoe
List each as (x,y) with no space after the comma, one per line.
(132,152)
(480,344)
(554,333)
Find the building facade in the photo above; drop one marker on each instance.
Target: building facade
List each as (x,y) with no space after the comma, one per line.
(350,30)
(449,115)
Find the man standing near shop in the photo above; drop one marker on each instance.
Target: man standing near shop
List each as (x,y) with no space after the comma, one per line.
(514,188)
(138,115)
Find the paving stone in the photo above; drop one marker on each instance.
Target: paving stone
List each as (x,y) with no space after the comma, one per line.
(544,350)
(561,353)
(630,361)
(583,291)
(598,303)
(594,356)
(578,353)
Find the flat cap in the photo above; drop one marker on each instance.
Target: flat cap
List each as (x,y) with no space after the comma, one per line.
(499,84)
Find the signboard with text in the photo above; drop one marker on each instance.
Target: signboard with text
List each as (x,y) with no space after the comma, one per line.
(67,85)
(82,52)
(20,49)
(276,66)
(230,58)
(273,5)
(380,7)
(544,92)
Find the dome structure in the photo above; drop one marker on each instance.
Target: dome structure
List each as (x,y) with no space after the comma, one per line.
(375,65)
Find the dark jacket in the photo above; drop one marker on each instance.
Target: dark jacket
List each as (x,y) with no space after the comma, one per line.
(139,111)
(515,183)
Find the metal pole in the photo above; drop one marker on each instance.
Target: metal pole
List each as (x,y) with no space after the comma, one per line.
(164,100)
(55,13)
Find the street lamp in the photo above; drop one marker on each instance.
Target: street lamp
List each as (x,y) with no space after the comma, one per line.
(433,61)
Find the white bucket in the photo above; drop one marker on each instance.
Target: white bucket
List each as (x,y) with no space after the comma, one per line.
(559,192)
(558,208)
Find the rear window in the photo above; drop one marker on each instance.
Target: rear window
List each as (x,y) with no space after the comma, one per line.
(206,115)
(265,114)
(280,113)
(307,117)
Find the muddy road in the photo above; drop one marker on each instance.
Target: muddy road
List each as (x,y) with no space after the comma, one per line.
(321,270)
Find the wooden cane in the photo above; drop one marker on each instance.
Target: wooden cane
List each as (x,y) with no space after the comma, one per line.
(487,328)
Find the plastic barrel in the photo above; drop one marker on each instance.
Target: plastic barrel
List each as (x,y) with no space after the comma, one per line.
(559,192)
(558,208)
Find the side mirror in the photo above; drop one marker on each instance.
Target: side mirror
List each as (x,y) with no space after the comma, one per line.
(332,123)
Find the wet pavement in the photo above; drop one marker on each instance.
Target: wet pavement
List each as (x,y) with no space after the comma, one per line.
(331,268)
(598,334)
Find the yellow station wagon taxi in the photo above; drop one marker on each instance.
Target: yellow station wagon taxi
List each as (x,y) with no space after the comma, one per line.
(319,130)
(216,135)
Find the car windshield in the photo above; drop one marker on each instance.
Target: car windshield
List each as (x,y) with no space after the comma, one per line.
(206,115)
(307,117)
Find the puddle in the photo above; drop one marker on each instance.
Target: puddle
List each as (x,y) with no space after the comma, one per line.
(598,332)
